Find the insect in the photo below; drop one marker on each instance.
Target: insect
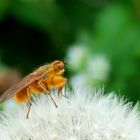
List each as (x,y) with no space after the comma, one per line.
(42,80)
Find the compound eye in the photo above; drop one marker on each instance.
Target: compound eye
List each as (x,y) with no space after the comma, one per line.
(59,65)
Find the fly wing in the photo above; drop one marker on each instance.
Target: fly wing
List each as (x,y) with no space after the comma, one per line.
(19,86)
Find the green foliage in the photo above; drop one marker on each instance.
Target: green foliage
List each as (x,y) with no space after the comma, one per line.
(116,36)
(3,8)
(37,31)
(1,107)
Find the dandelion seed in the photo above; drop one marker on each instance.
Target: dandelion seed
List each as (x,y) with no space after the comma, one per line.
(84,116)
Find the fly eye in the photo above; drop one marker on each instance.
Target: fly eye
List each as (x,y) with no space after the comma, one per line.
(60,67)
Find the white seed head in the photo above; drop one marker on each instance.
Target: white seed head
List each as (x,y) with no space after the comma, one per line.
(85,115)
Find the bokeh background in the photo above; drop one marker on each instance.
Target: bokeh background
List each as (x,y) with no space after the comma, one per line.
(99,40)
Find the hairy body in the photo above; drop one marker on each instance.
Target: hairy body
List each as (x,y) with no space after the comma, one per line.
(40,81)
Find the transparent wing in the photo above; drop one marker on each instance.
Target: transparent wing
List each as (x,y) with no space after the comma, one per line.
(19,86)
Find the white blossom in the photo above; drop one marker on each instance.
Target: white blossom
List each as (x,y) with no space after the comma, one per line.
(84,115)
(98,67)
(76,56)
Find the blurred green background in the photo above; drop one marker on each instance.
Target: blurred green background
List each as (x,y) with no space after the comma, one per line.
(99,39)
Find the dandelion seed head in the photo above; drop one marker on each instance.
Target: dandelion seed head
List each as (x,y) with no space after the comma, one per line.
(85,115)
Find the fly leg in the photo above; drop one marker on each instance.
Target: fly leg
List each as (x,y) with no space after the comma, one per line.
(53,100)
(29,102)
(43,86)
